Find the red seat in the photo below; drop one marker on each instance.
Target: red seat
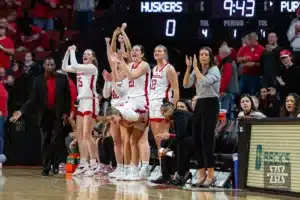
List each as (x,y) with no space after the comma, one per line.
(54,36)
(70,34)
(42,55)
(19,56)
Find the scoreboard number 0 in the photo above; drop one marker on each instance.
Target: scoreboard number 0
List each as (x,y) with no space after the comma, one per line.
(170,28)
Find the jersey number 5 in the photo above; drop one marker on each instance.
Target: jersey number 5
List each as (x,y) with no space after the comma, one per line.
(131,83)
(153,84)
(79,81)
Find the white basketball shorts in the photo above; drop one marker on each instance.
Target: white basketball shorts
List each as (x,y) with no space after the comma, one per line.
(88,106)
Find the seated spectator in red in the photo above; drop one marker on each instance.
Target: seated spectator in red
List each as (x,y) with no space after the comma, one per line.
(249,56)
(7,48)
(43,13)
(289,73)
(31,38)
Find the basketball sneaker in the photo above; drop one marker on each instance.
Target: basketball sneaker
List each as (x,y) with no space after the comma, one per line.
(122,174)
(116,172)
(156,173)
(134,174)
(81,169)
(144,172)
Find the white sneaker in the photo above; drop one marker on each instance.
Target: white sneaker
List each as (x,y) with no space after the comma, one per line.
(123,174)
(116,172)
(156,173)
(81,169)
(96,169)
(134,174)
(144,172)
(89,172)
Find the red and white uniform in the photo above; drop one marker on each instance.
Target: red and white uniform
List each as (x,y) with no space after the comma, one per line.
(86,85)
(117,91)
(159,90)
(138,91)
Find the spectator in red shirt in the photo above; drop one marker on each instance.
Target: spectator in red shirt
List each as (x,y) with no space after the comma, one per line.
(249,56)
(31,38)
(3,114)
(43,13)
(6,47)
(229,81)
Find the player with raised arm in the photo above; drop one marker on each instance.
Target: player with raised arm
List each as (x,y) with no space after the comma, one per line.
(88,107)
(118,93)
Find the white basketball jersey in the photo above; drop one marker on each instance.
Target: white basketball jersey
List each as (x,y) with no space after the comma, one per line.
(86,85)
(160,86)
(140,86)
(116,99)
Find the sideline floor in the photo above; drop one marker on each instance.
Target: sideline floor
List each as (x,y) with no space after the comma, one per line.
(28,184)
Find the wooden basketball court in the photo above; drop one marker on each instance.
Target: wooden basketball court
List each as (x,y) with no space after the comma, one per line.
(28,184)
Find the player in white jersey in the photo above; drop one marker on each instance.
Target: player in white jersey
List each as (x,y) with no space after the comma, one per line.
(164,83)
(88,108)
(138,74)
(118,93)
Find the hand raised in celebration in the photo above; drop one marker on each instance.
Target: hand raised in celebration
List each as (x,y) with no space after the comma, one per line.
(16,116)
(188,61)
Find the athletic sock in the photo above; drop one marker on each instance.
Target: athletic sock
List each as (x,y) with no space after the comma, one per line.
(93,162)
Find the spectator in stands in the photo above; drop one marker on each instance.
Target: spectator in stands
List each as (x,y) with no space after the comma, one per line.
(31,38)
(229,81)
(288,77)
(84,14)
(268,102)
(11,24)
(249,56)
(7,48)
(43,14)
(247,108)
(292,105)
(3,114)
(31,67)
(293,35)
(270,61)
(15,5)
(16,71)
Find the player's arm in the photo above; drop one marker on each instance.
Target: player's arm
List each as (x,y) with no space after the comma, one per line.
(173,80)
(87,68)
(107,89)
(127,43)
(65,67)
(143,69)
(114,39)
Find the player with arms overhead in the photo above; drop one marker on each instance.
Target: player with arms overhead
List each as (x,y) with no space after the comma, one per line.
(88,108)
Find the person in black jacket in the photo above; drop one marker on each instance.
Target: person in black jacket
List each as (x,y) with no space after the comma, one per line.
(180,141)
(50,101)
(270,61)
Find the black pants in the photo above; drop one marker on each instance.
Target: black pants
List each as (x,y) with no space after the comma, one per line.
(185,150)
(168,166)
(106,151)
(204,125)
(53,149)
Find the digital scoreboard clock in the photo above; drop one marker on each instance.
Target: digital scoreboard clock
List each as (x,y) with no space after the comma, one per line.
(205,19)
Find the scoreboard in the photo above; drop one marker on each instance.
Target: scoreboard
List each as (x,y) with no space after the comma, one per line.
(207,19)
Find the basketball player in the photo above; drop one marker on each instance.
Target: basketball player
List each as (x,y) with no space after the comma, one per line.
(88,107)
(138,75)
(118,94)
(164,83)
